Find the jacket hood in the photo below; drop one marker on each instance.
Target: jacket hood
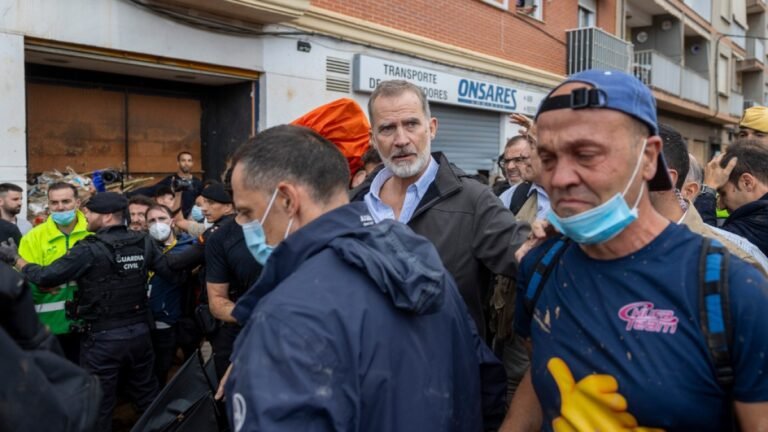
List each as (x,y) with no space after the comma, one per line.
(403,265)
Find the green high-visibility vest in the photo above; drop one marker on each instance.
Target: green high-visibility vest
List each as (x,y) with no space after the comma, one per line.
(43,245)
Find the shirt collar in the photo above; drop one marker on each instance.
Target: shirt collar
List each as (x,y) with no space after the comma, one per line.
(421,185)
(426,179)
(537,188)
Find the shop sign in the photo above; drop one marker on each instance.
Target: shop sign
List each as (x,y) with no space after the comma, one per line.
(446,88)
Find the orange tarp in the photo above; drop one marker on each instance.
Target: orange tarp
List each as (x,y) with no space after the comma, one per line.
(343,123)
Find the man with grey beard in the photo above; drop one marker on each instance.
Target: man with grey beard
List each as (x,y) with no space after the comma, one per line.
(475,235)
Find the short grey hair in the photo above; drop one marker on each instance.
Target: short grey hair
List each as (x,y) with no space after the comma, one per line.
(297,154)
(696,173)
(394,88)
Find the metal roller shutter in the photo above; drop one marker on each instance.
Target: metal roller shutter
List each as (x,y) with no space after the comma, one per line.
(469,138)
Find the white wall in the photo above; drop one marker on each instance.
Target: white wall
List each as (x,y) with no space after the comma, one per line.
(294,81)
(122,25)
(13,122)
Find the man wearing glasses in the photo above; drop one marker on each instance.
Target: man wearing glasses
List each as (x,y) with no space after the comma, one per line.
(527,200)
(514,149)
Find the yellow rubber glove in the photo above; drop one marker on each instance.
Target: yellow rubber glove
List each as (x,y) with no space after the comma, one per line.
(592,404)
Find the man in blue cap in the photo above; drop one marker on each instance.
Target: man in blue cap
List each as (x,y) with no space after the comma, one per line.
(110,306)
(628,330)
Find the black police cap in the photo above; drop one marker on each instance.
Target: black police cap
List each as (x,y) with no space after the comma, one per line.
(106,203)
(217,192)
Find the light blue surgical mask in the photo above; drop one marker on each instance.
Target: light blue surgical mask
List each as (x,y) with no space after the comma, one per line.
(604,222)
(63,218)
(197,214)
(256,239)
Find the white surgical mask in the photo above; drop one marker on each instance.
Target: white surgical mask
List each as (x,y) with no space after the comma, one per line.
(256,239)
(160,231)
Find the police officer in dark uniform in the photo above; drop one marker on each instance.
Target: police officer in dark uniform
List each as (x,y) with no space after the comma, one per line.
(230,270)
(111,269)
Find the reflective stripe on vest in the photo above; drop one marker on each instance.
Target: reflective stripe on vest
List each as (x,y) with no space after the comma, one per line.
(50,307)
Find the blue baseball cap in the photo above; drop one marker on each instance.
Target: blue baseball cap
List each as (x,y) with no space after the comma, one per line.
(618,91)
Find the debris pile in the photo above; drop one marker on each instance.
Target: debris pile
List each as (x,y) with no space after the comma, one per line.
(86,183)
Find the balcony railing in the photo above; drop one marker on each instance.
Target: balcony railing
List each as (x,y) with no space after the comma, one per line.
(735,104)
(701,7)
(695,87)
(593,48)
(662,73)
(657,71)
(756,50)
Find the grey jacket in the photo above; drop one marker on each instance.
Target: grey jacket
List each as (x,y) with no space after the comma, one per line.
(475,235)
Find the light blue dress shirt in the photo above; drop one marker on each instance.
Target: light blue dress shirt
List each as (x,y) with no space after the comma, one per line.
(413,195)
(543,201)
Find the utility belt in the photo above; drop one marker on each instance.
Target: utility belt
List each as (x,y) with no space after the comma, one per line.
(80,327)
(84,319)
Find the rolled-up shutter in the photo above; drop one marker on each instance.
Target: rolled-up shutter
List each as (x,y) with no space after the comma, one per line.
(469,138)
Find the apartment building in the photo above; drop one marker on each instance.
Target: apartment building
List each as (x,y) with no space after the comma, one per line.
(704,61)
(128,83)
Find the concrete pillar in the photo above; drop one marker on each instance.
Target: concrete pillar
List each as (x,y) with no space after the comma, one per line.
(13,120)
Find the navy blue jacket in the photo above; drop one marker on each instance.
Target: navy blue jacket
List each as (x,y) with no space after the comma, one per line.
(751,222)
(165,296)
(358,327)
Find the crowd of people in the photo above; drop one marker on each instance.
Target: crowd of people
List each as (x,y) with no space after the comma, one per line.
(593,288)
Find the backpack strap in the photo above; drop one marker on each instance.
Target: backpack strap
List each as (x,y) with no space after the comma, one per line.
(541,271)
(519,197)
(714,308)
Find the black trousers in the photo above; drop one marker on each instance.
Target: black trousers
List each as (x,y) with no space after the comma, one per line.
(164,344)
(222,342)
(188,336)
(123,353)
(70,345)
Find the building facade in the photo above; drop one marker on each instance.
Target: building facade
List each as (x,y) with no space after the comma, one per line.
(127,84)
(704,60)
